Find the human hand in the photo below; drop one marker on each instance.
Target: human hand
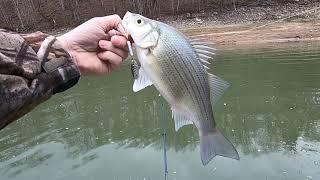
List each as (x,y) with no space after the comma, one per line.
(96,46)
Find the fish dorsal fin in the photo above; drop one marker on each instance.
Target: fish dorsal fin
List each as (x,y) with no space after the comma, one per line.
(181,118)
(141,80)
(204,51)
(217,88)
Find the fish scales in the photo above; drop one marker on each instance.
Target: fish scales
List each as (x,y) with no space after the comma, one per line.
(186,66)
(176,66)
(171,75)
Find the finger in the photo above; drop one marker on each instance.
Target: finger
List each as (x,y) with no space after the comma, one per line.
(108,46)
(110,57)
(119,41)
(107,37)
(114,32)
(109,22)
(122,30)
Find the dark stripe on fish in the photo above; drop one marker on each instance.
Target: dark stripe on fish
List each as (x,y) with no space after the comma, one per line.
(173,63)
(194,90)
(199,93)
(201,85)
(203,110)
(175,66)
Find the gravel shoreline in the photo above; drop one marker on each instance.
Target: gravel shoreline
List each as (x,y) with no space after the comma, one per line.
(253,26)
(250,14)
(249,26)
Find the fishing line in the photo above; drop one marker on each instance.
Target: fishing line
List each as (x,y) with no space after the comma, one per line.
(164,137)
(163,117)
(264,25)
(163,120)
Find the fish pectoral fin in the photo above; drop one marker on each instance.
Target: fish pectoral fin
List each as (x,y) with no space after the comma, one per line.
(180,119)
(142,81)
(217,88)
(214,143)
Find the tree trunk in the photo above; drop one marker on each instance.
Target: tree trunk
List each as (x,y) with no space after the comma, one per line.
(172,6)
(178,6)
(103,6)
(159,8)
(6,21)
(62,4)
(114,6)
(75,10)
(16,5)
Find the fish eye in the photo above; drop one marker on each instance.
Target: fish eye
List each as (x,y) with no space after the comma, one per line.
(139,21)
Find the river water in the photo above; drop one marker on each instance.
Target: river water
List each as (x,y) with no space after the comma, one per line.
(101,130)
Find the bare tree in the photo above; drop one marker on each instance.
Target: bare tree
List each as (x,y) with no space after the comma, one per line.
(103,5)
(114,6)
(4,15)
(172,7)
(26,13)
(76,10)
(62,4)
(178,5)
(16,6)
(234,5)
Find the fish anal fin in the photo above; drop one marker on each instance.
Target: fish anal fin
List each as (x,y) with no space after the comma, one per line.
(180,119)
(218,87)
(213,144)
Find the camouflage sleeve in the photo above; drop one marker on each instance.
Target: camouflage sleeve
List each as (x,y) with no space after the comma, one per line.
(28,78)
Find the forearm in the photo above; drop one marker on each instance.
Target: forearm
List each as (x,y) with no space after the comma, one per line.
(28,78)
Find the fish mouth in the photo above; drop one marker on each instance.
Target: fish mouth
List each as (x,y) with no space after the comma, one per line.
(126,34)
(122,27)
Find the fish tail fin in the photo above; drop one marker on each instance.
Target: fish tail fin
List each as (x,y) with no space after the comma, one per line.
(214,143)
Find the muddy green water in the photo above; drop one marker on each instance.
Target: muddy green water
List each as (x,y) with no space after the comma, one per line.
(101,130)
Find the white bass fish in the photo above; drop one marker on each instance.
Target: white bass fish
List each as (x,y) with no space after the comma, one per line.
(176,66)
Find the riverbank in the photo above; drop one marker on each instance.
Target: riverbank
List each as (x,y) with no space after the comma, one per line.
(253,25)
(254,35)
(248,26)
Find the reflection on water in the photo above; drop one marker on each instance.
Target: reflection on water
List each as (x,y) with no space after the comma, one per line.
(102,130)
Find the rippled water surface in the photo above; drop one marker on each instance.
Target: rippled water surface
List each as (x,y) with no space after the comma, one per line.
(101,130)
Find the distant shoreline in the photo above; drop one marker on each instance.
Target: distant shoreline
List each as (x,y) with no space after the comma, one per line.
(252,26)
(248,35)
(248,26)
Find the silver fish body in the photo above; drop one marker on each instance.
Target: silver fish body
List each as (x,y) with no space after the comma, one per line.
(175,65)
(179,77)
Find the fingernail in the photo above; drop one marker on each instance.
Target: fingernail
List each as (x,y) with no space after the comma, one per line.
(115,40)
(119,41)
(102,43)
